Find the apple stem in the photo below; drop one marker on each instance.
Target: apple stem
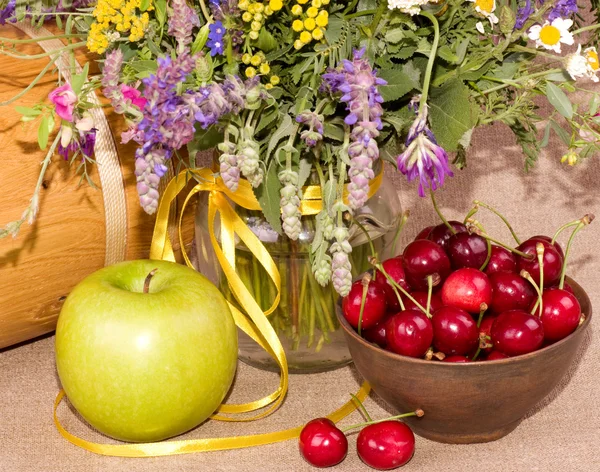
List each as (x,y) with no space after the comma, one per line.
(148,279)
(586,220)
(419,413)
(437,210)
(501,216)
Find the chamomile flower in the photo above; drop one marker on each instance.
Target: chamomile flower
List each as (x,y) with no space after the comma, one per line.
(579,65)
(551,35)
(592,58)
(485,8)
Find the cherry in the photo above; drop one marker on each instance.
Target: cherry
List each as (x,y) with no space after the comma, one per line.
(501,260)
(552,261)
(566,287)
(517,332)
(386,445)
(423,258)
(560,314)
(496,355)
(548,239)
(485,330)
(457,359)
(454,331)
(468,289)
(409,333)
(421,298)
(440,234)
(374,309)
(395,269)
(510,292)
(424,233)
(466,250)
(376,333)
(322,444)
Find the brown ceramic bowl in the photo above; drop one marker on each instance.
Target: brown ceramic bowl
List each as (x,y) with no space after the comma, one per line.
(471,402)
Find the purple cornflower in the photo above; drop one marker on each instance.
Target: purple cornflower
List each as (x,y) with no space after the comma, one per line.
(357,81)
(8,13)
(216,32)
(423,157)
(314,122)
(524,13)
(181,23)
(563,9)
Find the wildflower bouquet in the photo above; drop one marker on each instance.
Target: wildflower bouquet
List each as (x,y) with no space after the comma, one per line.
(286,90)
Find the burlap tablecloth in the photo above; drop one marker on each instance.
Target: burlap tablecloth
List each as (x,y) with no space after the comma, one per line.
(561,434)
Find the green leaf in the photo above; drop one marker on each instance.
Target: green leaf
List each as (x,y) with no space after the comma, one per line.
(329,194)
(266,41)
(160,11)
(594,105)
(144,4)
(334,30)
(78,80)
(452,113)
(304,170)
(394,35)
(447,55)
(144,66)
(546,137)
(559,100)
(332,131)
(562,76)
(266,119)
(201,39)
(285,129)
(43,133)
(398,84)
(204,139)
(26,111)
(268,197)
(561,133)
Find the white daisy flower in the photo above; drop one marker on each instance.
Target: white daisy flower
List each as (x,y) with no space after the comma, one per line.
(592,58)
(479,27)
(551,35)
(486,8)
(410,7)
(579,65)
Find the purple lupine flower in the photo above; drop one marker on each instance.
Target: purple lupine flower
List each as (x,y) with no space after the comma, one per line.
(562,9)
(8,13)
(423,157)
(216,33)
(181,23)
(314,122)
(357,81)
(110,79)
(524,13)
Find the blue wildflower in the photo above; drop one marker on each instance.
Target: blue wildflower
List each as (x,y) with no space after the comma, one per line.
(563,9)
(8,13)
(523,14)
(216,33)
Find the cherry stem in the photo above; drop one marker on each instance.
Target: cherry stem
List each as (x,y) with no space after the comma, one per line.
(419,413)
(400,302)
(375,263)
(401,224)
(489,255)
(365,283)
(371,246)
(586,220)
(563,227)
(361,407)
(472,212)
(539,250)
(482,309)
(429,292)
(437,210)
(501,216)
(526,275)
(478,230)
(148,279)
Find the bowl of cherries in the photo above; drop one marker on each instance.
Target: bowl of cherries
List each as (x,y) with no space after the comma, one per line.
(473,331)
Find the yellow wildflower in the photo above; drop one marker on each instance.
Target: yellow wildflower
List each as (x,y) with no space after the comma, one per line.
(256,25)
(264,68)
(312,12)
(322,20)
(274,79)
(316,3)
(302,2)
(309,24)
(255,60)
(298,25)
(297,10)
(253,34)
(305,37)
(259,7)
(243,4)
(246,58)
(247,17)
(269,86)
(268,11)
(298,44)
(258,17)
(317,34)
(325,2)
(250,72)
(275,5)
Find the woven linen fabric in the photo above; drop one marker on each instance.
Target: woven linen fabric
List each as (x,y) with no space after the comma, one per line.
(559,435)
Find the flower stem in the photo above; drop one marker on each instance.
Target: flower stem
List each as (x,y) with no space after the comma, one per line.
(586,28)
(205,12)
(32,84)
(44,54)
(431,61)
(523,78)
(360,13)
(401,224)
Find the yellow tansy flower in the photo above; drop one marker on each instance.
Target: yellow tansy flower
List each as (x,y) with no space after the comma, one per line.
(312,12)
(305,37)
(258,17)
(316,3)
(297,25)
(247,17)
(302,2)
(309,24)
(297,10)
(275,5)
(269,86)
(250,72)
(255,60)
(274,79)
(322,20)
(253,35)
(246,58)
(264,68)
(268,11)
(298,44)
(256,26)
(243,4)
(317,34)
(259,7)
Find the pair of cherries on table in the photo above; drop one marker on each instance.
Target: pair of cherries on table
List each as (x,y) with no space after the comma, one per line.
(456,296)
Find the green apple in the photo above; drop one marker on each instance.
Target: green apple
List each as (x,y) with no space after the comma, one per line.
(144,358)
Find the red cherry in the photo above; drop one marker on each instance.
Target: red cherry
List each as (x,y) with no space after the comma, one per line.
(440,234)
(457,359)
(552,261)
(423,258)
(376,333)
(566,287)
(501,260)
(496,355)
(424,233)
(395,269)
(322,444)
(409,333)
(485,329)
(454,331)
(517,332)
(548,239)
(510,292)
(421,298)
(560,314)
(468,289)
(386,445)
(466,250)
(374,309)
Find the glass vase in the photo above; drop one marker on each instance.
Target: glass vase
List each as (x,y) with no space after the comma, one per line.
(305,318)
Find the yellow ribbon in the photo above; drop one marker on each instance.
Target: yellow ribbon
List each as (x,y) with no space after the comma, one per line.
(256,324)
